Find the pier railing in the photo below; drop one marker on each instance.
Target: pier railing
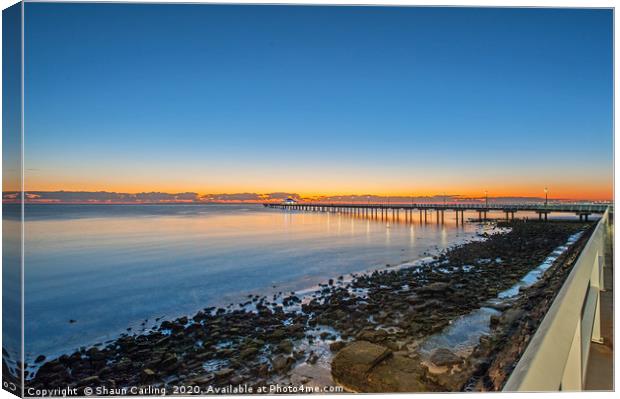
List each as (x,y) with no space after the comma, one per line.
(557,356)
(537,207)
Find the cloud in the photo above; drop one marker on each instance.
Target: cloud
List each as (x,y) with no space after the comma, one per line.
(106,197)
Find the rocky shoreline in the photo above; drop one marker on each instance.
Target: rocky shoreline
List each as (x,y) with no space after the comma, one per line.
(517,325)
(373,325)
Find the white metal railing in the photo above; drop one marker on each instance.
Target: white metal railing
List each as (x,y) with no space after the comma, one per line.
(557,356)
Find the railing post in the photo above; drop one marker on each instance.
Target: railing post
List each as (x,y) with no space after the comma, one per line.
(601,272)
(605,242)
(595,284)
(596,327)
(572,378)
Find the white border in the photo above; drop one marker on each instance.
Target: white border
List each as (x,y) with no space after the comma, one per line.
(479,3)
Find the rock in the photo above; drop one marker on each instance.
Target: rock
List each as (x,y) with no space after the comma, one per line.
(372,336)
(95,354)
(262,371)
(396,346)
(365,367)
(169,361)
(451,381)
(433,288)
(444,357)
(165,340)
(285,346)
(352,364)
(510,316)
(167,325)
(336,346)
(278,334)
(312,358)
(237,379)
(282,363)
(399,373)
(203,379)
(248,353)
(89,381)
(147,374)
(222,373)
(39,359)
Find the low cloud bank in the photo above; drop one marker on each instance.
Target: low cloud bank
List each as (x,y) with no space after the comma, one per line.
(189,197)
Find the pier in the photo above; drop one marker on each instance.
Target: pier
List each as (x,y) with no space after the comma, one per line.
(394,210)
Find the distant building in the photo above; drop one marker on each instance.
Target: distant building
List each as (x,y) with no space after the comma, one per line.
(289,201)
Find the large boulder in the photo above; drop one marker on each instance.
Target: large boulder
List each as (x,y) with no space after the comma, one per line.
(399,374)
(350,367)
(366,367)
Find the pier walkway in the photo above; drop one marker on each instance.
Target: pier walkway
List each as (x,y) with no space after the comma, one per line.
(374,210)
(600,375)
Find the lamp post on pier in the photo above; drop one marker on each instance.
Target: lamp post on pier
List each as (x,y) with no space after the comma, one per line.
(486,199)
(546,196)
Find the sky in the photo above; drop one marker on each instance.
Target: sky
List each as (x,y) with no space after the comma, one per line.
(318,100)
(11,97)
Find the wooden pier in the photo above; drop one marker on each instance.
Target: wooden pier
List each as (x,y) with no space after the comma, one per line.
(394,210)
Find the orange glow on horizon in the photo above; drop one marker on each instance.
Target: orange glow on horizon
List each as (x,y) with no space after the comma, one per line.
(320,180)
(592,192)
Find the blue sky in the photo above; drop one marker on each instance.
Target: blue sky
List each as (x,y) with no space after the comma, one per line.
(318,99)
(11,97)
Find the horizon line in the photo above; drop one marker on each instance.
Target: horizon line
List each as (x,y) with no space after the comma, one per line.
(246,196)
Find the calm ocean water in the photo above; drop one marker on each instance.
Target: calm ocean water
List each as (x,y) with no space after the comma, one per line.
(111,267)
